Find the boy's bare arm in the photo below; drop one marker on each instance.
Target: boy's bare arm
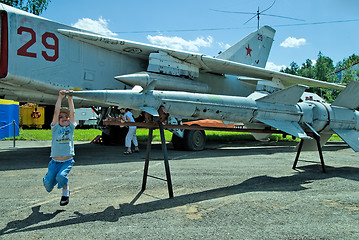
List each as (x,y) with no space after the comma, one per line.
(55,118)
(71,107)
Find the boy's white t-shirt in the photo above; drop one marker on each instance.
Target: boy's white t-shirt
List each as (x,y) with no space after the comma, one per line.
(62,140)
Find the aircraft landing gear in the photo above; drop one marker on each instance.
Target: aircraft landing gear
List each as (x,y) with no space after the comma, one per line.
(190,140)
(193,140)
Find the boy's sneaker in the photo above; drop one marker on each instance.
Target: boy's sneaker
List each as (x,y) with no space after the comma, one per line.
(64,201)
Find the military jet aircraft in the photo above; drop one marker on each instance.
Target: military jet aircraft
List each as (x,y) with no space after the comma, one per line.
(38,57)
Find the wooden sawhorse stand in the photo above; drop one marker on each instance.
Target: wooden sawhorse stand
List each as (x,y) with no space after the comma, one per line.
(165,155)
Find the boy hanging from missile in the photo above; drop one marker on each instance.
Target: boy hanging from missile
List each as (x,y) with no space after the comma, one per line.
(62,148)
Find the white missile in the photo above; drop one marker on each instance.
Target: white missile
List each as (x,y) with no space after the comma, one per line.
(279,110)
(163,82)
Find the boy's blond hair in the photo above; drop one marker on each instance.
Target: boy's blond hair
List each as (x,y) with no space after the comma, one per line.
(65,110)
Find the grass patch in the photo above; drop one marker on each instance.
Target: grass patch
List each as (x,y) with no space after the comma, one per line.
(45,134)
(142,135)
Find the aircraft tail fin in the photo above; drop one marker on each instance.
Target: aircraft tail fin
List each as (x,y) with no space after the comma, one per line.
(349,97)
(253,49)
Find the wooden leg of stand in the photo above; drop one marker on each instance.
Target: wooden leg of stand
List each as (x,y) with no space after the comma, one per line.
(167,166)
(147,161)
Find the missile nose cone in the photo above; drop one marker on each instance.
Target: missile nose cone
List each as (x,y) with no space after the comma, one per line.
(141,79)
(96,95)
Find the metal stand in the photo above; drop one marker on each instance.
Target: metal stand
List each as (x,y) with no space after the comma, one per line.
(13,134)
(165,155)
(317,138)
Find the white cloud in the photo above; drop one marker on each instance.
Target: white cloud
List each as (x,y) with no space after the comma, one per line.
(181,44)
(273,67)
(224,46)
(292,42)
(99,26)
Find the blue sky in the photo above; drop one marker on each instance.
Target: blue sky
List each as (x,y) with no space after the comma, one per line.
(185,24)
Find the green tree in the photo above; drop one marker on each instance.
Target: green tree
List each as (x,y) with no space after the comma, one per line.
(32,6)
(324,68)
(293,69)
(348,72)
(307,69)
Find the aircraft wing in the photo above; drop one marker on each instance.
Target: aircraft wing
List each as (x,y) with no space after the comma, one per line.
(203,62)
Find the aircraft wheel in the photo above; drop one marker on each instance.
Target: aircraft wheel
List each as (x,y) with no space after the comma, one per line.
(194,140)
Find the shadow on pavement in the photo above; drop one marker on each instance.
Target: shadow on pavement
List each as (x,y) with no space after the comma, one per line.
(263,183)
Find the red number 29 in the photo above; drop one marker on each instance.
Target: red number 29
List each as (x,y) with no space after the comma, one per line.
(24,50)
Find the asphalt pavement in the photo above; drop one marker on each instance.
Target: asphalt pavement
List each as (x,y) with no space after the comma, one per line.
(241,190)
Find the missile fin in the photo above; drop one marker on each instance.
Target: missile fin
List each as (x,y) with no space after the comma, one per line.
(289,127)
(149,87)
(350,136)
(288,96)
(349,97)
(150,110)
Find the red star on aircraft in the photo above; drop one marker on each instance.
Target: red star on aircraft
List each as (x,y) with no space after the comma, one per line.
(249,50)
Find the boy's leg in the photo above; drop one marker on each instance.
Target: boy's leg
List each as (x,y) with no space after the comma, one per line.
(65,199)
(65,169)
(62,180)
(49,180)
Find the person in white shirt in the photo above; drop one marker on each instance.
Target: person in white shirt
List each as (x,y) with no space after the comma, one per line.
(131,135)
